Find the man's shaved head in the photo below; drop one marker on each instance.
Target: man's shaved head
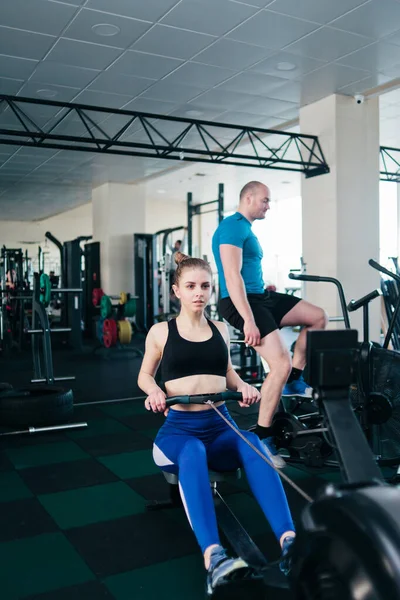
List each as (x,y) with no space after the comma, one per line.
(250,188)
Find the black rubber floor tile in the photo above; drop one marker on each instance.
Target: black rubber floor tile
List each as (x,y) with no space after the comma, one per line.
(87,591)
(104,445)
(133,542)
(24,518)
(50,479)
(147,420)
(5,462)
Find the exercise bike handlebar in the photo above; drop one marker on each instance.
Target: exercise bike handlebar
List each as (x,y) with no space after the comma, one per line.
(382,269)
(203,398)
(356,304)
(318,279)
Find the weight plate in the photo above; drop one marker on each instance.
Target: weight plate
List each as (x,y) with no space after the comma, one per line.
(99,330)
(124,332)
(105,307)
(97,295)
(130,308)
(110,333)
(45,289)
(123,298)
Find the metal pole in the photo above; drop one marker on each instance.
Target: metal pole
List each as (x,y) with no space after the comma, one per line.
(189,220)
(220,202)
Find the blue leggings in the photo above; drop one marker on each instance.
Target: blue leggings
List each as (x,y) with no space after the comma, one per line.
(189,443)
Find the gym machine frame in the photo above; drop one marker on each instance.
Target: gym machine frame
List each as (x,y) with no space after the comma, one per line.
(196,209)
(41,326)
(376,407)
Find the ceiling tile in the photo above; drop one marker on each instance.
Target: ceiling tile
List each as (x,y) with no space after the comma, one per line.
(102,99)
(302,65)
(394,39)
(83,54)
(328,80)
(252,83)
(218,98)
(208,16)
(364,85)
(31,89)
(319,11)
(198,75)
(375,19)
(258,105)
(328,44)
(16,68)
(241,118)
(289,115)
(162,90)
(141,64)
(14,42)
(41,17)
(129,29)
(232,55)
(392,72)
(271,30)
(10,87)
(377,56)
(125,84)
(151,106)
(192,111)
(258,3)
(169,41)
(148,10)
(290,91)
(59,74)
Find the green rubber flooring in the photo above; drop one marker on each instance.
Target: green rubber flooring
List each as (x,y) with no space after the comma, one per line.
(73,518)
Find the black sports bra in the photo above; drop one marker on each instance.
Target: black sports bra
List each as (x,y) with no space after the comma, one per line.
(182,358)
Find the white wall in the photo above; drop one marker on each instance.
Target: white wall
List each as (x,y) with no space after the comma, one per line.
(66,226)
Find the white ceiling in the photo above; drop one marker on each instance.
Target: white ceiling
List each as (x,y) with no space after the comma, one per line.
(222,59)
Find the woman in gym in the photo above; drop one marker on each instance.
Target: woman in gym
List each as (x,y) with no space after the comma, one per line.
(194,355)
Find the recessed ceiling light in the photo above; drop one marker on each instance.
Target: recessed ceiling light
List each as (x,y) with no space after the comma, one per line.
(45,93)
(285,182)
(285,66)
(106,29)
(193,113)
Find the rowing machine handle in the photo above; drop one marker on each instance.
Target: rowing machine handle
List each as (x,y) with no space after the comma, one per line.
(203,398)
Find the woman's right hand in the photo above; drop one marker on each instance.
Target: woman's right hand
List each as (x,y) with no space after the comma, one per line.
(156,401)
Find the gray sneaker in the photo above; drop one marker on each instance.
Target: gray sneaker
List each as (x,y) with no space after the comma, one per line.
(273,454)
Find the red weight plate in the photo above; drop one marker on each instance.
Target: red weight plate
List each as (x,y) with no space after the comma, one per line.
(97,295)
(110,333)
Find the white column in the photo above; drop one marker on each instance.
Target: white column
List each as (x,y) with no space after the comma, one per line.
(119,211)
(341,209)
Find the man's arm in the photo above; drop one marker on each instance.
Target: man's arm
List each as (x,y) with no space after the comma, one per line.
(231,258)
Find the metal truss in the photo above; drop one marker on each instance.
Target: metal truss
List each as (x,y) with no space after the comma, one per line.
(390,164)
(132,133)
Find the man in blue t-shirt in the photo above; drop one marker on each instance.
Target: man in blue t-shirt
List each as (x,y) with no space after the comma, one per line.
(260,313)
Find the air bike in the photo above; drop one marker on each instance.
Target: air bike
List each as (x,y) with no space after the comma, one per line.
(348,537)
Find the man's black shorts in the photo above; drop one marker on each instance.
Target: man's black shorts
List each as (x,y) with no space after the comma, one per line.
(268,309)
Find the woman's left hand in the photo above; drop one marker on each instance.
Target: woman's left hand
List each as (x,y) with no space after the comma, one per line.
(250,394)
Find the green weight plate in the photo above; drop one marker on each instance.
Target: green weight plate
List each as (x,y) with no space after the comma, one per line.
(45,289)
(105,307)
(130,308)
